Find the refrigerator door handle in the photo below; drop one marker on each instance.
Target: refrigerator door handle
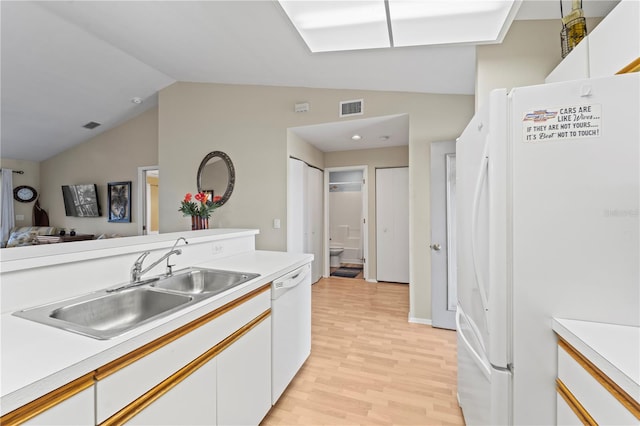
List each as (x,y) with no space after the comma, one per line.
(476,357)
(482,175)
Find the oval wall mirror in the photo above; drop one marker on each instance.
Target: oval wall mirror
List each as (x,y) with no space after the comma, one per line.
(216,177)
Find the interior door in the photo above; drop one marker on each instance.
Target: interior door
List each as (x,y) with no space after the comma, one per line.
(392,224)
(314,212)
(443,235)
(296,237)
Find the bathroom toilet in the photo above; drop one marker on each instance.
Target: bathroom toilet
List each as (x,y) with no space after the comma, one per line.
(334,256)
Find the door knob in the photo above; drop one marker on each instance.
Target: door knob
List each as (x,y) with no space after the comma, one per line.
(435,246)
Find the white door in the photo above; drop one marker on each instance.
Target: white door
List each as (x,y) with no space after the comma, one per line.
(304,212)
(443,249)
(295,207)
(314,214)
(392,224)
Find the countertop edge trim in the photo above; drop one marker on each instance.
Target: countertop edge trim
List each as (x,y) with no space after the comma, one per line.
(135,407)
(574,404)
(613,388)
(42,404)
(120,363)
(633,66)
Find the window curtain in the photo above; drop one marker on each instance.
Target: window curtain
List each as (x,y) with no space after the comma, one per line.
(7,217)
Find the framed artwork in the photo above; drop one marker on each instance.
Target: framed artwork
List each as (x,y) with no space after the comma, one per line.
(119,198)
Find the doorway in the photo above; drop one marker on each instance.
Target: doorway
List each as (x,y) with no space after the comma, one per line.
(148,190)
(346,233)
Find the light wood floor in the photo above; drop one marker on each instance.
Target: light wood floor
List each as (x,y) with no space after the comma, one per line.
(368,365)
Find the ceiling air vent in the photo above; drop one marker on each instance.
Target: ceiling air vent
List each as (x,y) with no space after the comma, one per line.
(91,125)
(349,108)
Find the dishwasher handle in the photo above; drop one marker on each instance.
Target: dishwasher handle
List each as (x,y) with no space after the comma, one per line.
(293,278)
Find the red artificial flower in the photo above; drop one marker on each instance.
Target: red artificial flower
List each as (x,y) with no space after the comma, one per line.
(187,197)
(200,197)
(217,198)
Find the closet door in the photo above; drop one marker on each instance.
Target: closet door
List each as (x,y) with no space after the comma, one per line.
(295,207)
(392,224)
(314,207)
(305,213)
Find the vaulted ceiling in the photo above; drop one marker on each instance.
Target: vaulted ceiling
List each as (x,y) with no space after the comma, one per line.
(66,63)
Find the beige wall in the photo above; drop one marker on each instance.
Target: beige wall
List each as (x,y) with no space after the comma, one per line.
(113,156)
(303,150)
(31,177)
(529,52)
(250,124)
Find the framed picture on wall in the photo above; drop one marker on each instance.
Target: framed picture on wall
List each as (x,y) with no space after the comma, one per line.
(119,198)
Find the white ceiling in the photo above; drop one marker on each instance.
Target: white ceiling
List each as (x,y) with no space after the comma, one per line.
(65,63)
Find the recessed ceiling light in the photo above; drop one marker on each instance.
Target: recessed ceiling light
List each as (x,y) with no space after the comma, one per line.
(384,138)
(356,137)
(136,100)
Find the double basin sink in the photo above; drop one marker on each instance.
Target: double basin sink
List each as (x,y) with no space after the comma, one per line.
(110,313)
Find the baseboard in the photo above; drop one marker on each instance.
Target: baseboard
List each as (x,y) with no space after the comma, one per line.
(419,320)
(371,280)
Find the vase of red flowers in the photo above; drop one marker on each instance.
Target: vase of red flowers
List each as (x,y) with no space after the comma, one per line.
(200,208)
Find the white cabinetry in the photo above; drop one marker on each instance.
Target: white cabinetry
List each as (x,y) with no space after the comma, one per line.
(191,402)
(574,67)
(244,378)
(615,42)
(76,410)
(218,366)
(598,380)
(612,46)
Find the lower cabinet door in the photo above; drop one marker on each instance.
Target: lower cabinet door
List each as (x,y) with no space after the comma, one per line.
(565,415)
(190,402)
(77,410)
(244,378)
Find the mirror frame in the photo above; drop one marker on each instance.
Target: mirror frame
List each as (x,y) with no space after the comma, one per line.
(230,169)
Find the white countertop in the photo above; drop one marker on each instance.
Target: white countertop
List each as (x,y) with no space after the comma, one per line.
(36,358)
(614,349)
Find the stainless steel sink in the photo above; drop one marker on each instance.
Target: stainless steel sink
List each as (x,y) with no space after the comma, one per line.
(105,315)
(203,281)
(110,313)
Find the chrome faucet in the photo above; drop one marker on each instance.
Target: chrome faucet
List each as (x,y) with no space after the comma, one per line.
(137,272)
(168,270)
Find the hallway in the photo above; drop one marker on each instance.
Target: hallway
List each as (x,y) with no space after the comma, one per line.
(368,365)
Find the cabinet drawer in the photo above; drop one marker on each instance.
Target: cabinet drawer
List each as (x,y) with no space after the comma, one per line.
(565,414)
(118,387)
(77,410)
(598,402)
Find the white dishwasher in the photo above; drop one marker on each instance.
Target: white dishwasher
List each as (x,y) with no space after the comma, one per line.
(290,327)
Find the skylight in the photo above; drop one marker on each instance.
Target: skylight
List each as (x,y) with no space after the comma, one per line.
(330,25)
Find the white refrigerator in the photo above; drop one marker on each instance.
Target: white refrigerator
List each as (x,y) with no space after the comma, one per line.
(548,184)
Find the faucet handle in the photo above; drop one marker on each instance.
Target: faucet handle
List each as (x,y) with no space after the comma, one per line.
(140,259)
